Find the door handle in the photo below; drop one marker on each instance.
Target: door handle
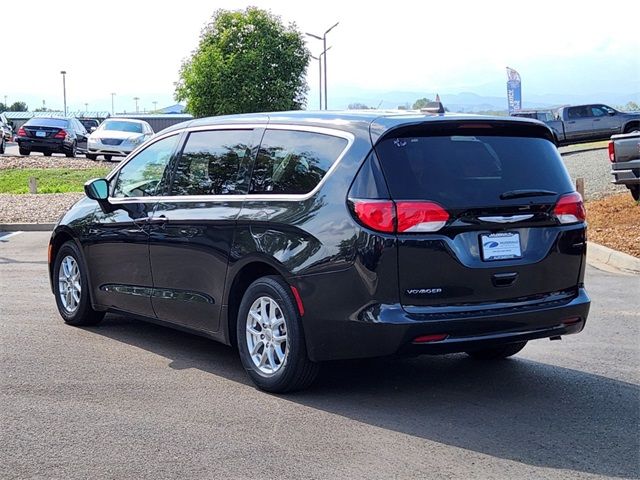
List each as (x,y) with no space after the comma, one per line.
(572,121)
(596,119)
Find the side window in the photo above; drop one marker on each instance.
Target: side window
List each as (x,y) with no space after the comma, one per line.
(598,111)
(213,163)
(293,162)
(142,174)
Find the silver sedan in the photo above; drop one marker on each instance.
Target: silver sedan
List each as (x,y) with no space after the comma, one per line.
(117,137)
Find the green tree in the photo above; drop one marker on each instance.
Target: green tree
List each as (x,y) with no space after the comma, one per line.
(631,107)
(421,103)
(357,106)
(18,107)
(247,61)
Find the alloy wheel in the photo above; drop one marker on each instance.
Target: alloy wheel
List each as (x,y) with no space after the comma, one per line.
(267,335)
(69,286)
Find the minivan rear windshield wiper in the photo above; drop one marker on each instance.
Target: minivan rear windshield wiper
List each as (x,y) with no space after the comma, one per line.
(525,193)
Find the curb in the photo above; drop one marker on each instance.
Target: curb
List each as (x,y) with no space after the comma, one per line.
(613,258)
(26,227)
(573,152)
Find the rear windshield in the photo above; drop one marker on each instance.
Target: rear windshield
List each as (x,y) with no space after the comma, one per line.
(47,122)
(122,126)
(470,171)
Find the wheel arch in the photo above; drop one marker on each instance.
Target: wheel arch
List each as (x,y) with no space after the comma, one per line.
(631,126)
(245,276)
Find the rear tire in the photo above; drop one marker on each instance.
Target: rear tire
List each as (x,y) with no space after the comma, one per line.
(635,192)
(2,142)
(90,156)
(71,288)
(278,360)
(108,158)
(497,353)
(71,153)
(47,153)
(24,151)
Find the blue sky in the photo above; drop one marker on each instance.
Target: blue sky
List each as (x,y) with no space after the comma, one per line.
(135,48)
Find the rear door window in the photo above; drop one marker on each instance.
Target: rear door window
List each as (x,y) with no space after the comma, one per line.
(470,171)
(213,163)
(294,162)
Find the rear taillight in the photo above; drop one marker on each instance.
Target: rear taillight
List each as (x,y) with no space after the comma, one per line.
(420,216)
(21,132)
(61,134)
(400,217)
(612,152)
(378,215)
(570,209)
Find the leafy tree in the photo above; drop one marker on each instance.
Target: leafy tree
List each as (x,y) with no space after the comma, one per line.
(357,106)
(247,61)
(18,107)
(631,107)
(421,103)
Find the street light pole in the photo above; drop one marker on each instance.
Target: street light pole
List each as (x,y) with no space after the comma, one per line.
(86,106)
(324,50)
(136,99)
(155,106)
(64,90)
(319,59)
(112,110)
(5,103)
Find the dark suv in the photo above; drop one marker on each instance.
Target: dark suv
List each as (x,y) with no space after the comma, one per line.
(310,236)
(52,135)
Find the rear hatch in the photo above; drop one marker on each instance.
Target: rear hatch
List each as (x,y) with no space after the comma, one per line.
(486,214)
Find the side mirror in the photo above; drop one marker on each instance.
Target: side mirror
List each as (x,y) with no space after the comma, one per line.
(97,189)
(92,129)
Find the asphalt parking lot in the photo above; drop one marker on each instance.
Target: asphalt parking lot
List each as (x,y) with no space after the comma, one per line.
(133,400)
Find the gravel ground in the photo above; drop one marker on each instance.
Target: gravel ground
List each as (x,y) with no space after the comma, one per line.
(7,161)
(595,168)
(614,221)
(28,208)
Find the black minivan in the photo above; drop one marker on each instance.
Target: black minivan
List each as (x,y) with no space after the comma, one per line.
(301,237)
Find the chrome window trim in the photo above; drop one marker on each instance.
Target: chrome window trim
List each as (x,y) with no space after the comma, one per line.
(349,137)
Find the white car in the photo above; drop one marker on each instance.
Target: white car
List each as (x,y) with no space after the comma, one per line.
(117,137)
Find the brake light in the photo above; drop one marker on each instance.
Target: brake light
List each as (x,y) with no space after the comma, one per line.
(400,217)
(21,132)
(612,152)
(570,209)
(376,214)
(420,216)
(61,134)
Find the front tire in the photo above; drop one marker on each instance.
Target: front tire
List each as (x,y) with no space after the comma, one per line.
(270,338)
(90,156)
(635,191)
(71,288)
(497,353)
(24,151)
(47,153)
(108,158)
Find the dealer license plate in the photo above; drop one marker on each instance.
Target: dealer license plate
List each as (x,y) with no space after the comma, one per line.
(500,246)
(41,133)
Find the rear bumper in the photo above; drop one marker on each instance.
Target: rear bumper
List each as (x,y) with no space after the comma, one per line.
(627,173)
(40,145)
(389,329)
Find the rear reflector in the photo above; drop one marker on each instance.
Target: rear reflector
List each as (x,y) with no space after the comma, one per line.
(612,152)
(571,320)
(296,295)
(436,337)
(420,217)
(378,215)
(400,217)
(570,209)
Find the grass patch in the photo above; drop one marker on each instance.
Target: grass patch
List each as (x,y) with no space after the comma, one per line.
(50,180)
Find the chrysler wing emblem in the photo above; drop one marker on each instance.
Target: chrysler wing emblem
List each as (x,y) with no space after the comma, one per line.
(506,219)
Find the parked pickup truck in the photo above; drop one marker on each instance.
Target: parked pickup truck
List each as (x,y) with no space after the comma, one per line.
(585,123)
(624,153)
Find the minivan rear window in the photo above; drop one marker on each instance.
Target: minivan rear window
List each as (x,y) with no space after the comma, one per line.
(47,122)
(460,171)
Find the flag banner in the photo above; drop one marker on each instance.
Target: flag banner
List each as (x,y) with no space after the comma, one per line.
(514,91)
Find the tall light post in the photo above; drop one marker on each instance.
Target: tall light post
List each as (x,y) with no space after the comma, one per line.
(319,59)
(155,106)
(5,103)
(324,50)
(112,110)
(86,106)
(64,90)
(136,99)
